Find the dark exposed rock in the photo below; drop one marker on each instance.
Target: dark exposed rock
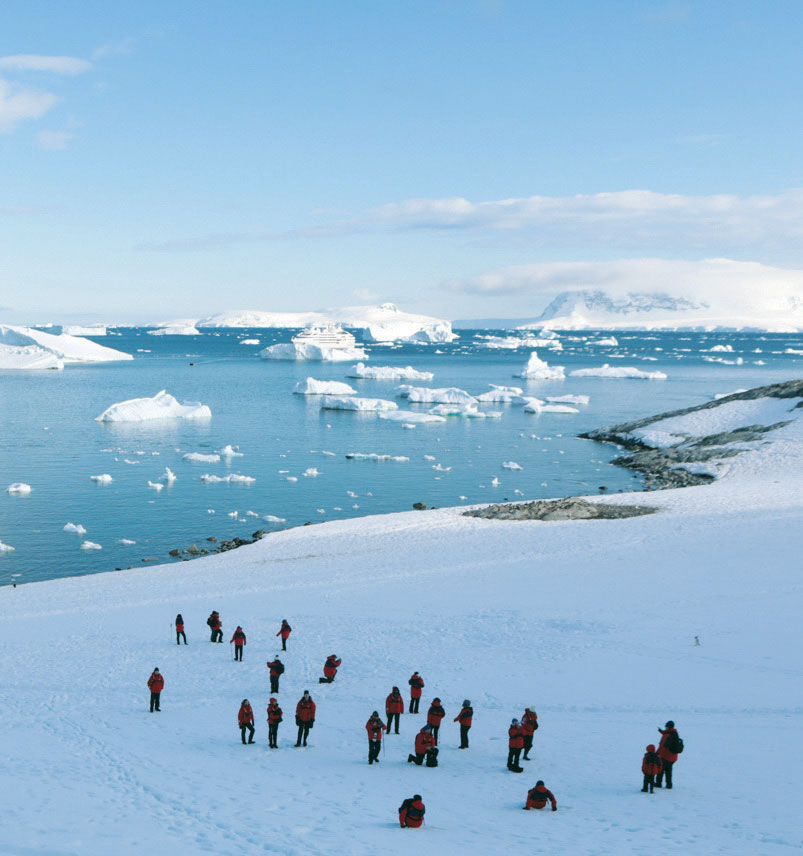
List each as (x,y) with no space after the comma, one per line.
(211,538)
(420,506)
(175,552)
(560,509)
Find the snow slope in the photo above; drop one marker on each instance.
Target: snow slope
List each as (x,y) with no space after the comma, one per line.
(62,347)
(593,621)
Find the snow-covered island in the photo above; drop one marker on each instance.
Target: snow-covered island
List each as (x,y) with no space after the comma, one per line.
(28,348)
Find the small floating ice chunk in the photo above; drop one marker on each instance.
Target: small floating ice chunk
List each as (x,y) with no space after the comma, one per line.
(231,478)
(19,488)
(233,513)
(210,510)
(272,518)
(725,349)
(75,527)
(105,478)
(310,473)
(344,402)
(609,342)
(410,418)
(311,386)
(329,454)
(202,458)
(373,456)
(440,468)
(512,465)
(126,542)
(90,545)
(229,451)
(495,481)
(251,514)
(538,369)
(249,341)
(388,373)
(157,486)
(568,399)
(618,372)
(168,476)
(6,548)
(291,478)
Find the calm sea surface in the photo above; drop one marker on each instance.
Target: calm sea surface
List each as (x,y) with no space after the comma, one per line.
(49,439)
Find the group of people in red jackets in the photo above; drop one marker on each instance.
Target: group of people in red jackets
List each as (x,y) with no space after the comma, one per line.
(658,763)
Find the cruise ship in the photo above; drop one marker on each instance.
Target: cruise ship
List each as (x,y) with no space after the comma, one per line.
(327,335)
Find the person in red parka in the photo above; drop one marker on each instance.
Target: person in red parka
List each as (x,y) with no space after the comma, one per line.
(434,716)
(245,719)
(305,717)
(529,724)
(284,631)
(424,744)
(276,667)
(667,753)
(239,642)
(394,705)
(416,685)
(330,668)
(515,744)
(180,630)
(411,812)
(274,718)
(216,626)
(374,727)
(651,766)
(156,684)
(465,718)
(537,797)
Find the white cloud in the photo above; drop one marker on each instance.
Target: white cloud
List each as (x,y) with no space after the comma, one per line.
(18,104)
(69,65)
(125,47)
(54,141)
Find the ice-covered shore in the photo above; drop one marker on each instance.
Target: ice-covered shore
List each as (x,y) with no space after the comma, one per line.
(592,621)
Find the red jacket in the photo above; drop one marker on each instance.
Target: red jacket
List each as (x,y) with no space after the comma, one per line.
(537,797)
(305,710)
(394,703)
(529,721)
(275,667)
(330,667)
(214,622)
(179,626)
(156,682)
(285,630)
(274,714)
(245,714)
(516,737)
(375,727)
(435,714)
(238,638)
(424,741)
(465,716)
(412,814)
(416,684)
(652,764)
(663,753)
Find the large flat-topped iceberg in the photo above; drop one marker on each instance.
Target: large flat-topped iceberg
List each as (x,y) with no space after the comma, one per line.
(618,371)
(68,349)
(446,395)
(385,323)
(388,373)
(538,369)
(311,386)
(28,357)
(176,330)
(161,406)
(313,353)
(353,402)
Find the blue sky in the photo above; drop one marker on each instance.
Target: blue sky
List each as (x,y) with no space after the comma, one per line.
(161,160)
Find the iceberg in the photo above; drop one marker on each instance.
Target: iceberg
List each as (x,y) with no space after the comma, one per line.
(446,395)
(310,386)
(534,406)
(501,394)
(84,329)
(73,527)
(313,353)
(68,349)
(250,342)
(512,465)
(176,330)
(168,476)
(231,478)
(410,417)
(161,406)
(514,342)
(373,456)
(388,373)
(272,518)
(90,545)
(104,478)
(24,357)
(345,402)
(201,458)
(538,369)
(157,486)
(19,488)
(6,548)
(618,372)
(568,399)
(608,342)
(228,451)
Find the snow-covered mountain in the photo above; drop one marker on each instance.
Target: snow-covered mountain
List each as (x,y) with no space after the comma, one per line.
(385,323)
(597,309)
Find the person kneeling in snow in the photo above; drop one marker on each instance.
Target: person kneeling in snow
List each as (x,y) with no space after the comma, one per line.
(651,766)
(245,719)
(374,727)
(424,747)
(538,796)
(330,668)
(411,812)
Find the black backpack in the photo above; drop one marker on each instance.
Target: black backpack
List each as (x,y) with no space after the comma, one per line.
(432,758)
(279,668)
(405,805)
(674,743)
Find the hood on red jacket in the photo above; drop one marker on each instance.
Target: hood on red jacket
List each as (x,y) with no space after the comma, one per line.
(651,747)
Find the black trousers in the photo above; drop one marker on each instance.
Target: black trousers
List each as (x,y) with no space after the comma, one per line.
(250,728)
(217,636)
(528,744)
(414,704)
(418,758)
(373,750)
(390,719)
(181,633)
(666,771)
(303,731)
(513,756)
(274,683)
(649,782)
(273,735)
(154,702)
(284,644)
(464,729)
(238,652)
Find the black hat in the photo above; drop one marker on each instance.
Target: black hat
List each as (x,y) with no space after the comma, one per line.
(539,782)
(416,796)
(670,724)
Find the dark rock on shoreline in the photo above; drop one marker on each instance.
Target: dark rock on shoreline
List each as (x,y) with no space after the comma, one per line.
(569,508)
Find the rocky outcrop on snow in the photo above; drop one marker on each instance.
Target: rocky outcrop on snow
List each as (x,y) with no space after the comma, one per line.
(570,508)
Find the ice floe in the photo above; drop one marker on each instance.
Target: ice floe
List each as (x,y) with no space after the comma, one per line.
(373,456)
(228,451)
(176,330)
(311,386)
(157,486)
(168,476)
(344,402)
(90,545)
(618,372)
(105,478)
(160,406)
(231,478)
(410,418)
(501,394)
(202,458)
(512,465)
(272,518)
(6,548)
(446,395)
(535,405)
(311,473)
(314,353)
(388,373)
(75,527)
(568,399)
(126,542)
(19,488)
(250,341)
(609,342)
(538,369)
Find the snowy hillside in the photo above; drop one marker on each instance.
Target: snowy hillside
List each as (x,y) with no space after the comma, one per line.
(593,622)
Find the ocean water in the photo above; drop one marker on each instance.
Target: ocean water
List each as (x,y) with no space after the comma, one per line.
(49,439)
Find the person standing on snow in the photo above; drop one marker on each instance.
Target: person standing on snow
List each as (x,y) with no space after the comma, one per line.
(216,625)
(330,668)
(668,750)
(276,670)
(274,718)
(537,797)
(374,727)
(416,685)
(239,642)
(424,744)
(651,766)
(305,717)
(411,813)
(245,719)
(529,724)
(156,684)
(515,745)
(180,629)
(284,631)
(434,716)
(394,705)
(465,718)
